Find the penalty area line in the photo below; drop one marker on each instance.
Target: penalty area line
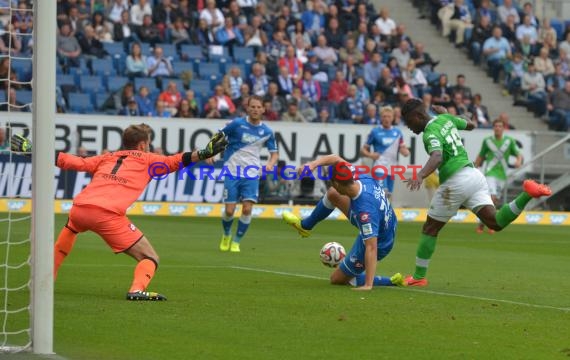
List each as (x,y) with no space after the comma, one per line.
(432,292)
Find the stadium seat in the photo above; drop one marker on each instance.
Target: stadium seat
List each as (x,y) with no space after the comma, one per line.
(217,52)
(558,26)
(209,71)
(169,50)
(192,52)
(115,83)
(146,49)
(242,54)
(80,103)
(24,96)
(23,68)
(325,86)
(91,84)
(114,48)
(181,66)
(64,79)
(2,96)
(202,87)
(103,67)
(150,83)
(100,100)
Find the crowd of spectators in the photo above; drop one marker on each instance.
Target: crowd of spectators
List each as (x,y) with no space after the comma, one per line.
(529,56)
(311,60)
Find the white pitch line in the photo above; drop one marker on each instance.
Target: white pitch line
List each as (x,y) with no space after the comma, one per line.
(481,298)
(277,272)
(304,276)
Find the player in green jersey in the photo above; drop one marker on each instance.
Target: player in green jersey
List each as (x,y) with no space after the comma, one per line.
(460,182)
(495,152)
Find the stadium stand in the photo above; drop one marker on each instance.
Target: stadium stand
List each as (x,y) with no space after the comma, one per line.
(199,48)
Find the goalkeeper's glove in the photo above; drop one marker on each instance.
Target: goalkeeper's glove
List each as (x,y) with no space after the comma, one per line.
(18,143)
(216,145)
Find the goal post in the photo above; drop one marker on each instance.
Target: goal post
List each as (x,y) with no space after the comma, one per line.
(43,153)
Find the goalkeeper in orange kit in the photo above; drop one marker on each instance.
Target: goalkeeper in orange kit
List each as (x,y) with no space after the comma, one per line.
(118,180)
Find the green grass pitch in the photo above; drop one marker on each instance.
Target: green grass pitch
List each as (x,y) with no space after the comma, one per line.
(501,296)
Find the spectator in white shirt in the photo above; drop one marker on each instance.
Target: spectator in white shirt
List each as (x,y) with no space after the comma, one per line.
(508,9)
(526,29)
(116,9)
(138,11)
(213,16)
(386,25)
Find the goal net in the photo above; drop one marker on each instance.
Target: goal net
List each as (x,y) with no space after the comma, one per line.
(25,279)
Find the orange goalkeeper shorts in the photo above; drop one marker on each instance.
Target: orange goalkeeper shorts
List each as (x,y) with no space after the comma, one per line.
(117,230)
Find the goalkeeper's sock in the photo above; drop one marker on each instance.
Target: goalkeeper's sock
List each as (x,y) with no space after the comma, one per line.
(63,247)
(323,209)
(227,222)
(378,280)
(144,272)
(426,247)
(243,224)
(509,212)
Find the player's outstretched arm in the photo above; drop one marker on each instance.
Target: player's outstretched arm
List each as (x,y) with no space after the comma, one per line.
(216,145)
(435,159)
(370,263)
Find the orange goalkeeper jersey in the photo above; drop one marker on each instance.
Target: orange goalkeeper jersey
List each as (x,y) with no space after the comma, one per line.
(119,178)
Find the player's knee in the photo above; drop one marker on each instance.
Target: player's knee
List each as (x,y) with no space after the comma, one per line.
(430,229)
(333,195)
(246,210)
(154,258)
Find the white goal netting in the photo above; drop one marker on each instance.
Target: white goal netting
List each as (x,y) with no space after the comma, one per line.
(16,24)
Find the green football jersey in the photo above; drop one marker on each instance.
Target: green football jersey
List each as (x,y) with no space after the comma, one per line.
(441,134)
(496,155)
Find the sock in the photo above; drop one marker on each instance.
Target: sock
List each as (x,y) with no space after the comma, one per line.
(378,280)
(144,271)
(63,247)
(227,222)
(509,212)
(243,224)
(426,247)
(323,209)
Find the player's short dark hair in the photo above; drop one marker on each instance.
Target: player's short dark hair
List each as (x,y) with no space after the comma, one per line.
(499,120)
(255,97)
(134,134)
(411,106)
(341,173)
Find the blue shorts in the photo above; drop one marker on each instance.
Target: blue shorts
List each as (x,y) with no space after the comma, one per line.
(386,183)
(236,190)
(353,263)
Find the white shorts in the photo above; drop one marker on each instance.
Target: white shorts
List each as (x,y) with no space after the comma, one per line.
(496,186)
(466,187)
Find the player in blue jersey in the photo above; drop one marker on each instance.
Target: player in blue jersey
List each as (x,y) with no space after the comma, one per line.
(364,203)
(387,141)
(246,137)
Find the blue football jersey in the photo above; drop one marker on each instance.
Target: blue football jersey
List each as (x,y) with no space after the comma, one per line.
(372,213)
(387,143)
(245,142)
